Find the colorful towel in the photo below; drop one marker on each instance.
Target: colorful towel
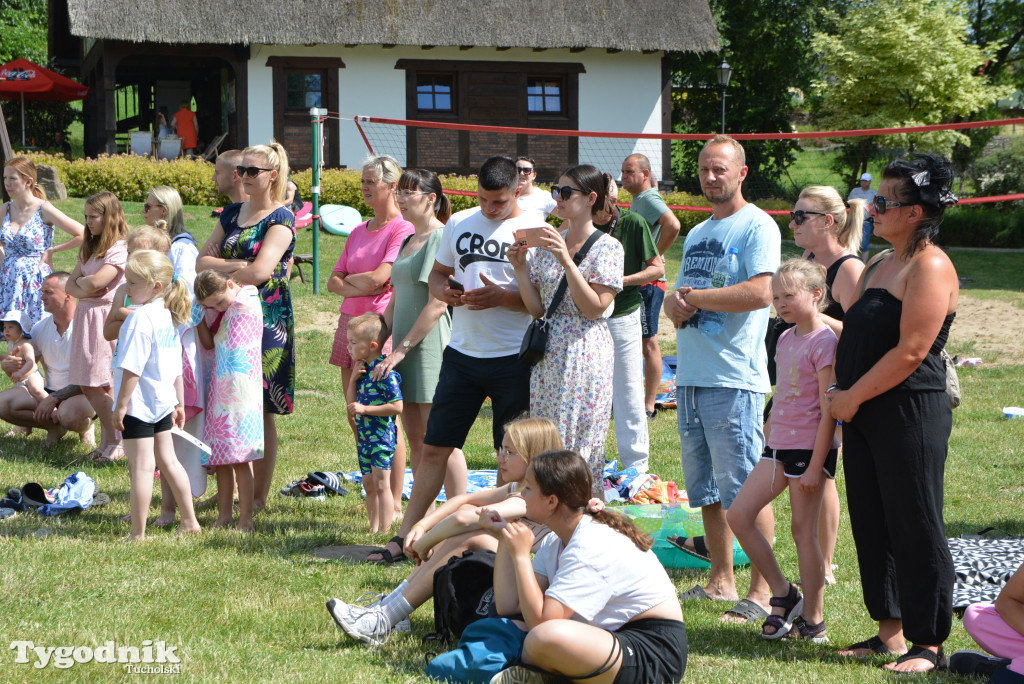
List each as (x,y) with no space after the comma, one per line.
(234,397)
(475,481)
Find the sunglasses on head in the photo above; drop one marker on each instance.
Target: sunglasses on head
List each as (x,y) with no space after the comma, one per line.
(524,170)
(565,192)
(801,215)
(250,171)
(881,204)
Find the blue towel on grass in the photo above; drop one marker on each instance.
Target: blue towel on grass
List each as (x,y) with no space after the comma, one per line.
(76,493)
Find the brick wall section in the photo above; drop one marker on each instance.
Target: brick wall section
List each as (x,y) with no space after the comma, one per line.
(551,154)
(483,146)
(299,145)
(436,148)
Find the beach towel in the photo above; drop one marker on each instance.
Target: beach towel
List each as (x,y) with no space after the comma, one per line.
(234,396)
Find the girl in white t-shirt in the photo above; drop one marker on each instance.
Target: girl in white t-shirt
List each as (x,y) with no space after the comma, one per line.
(597,603)
(148,386)
(801,452)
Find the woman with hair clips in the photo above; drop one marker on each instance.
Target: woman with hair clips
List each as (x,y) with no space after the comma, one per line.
(253,243)
(572,384)
(26,234)
(890,396)
(363,277)
(598,605)
(420,325)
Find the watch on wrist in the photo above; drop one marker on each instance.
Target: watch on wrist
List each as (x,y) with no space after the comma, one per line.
(406,344)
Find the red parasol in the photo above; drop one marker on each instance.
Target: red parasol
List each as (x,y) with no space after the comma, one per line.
(21,79)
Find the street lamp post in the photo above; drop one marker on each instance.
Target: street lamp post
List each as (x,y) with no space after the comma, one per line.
(724,73)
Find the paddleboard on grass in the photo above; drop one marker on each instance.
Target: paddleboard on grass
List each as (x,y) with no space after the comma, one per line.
(339,220)
(305,215)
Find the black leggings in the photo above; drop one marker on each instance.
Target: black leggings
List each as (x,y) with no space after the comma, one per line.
(894,460)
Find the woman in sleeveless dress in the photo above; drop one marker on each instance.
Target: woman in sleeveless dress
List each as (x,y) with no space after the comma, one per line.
(897,417)
(253,243)
(26,232)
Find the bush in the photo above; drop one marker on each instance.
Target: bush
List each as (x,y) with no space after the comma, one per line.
(1002,173)
(982,226)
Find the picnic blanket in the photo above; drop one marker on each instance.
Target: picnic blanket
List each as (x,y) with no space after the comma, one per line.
(234,399)
(983,567)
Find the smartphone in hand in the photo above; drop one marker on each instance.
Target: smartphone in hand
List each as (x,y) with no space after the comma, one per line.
(529,237)
(455,284)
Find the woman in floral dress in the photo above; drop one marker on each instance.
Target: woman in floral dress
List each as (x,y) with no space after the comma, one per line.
(572,385)
(26,233)
(253,244)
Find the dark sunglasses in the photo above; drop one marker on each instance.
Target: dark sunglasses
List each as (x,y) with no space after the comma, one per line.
(147,207)
(565,191)
(881,204)
(800,215)
(250,171)
(524,171)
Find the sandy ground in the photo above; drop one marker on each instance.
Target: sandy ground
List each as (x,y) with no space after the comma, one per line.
(995,327)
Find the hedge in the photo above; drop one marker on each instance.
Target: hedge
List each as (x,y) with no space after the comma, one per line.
(130,177)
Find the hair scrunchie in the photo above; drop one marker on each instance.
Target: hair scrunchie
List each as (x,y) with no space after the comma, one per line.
(174,277)
(595,505)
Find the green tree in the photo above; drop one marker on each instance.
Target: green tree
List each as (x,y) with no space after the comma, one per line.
(23,28)
(900,63)
(768,45)
(999,25)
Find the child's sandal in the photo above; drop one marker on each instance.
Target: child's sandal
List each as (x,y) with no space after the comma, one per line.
(793,604)
(814,633)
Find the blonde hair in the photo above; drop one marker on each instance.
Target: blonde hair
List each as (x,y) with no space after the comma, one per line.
(848,228)
(385,167)
(169,198)
(149,237)
(369,326)
(533,436)
(25,167)
(209,283)
(277,159)
(801,274)
(153,267)
(737,148)
(115,227)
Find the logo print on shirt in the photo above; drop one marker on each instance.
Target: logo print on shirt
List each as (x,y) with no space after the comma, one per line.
(698,264)
(472,248)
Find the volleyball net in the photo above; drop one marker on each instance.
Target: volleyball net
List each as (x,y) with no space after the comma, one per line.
(780,164)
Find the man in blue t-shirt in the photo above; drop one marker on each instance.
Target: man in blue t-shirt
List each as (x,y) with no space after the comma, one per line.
(722,377)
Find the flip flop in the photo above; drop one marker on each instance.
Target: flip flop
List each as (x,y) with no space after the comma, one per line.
(748,610)
(938,660)
(114,452)
(699,550)
(330,481)
(696,593)
(94,454)
(874,644)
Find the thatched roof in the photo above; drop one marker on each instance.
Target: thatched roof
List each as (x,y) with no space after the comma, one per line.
(673,25)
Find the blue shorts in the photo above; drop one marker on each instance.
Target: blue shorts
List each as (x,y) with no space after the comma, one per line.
(650,310)
(370,458)
(865,241)
(721,438)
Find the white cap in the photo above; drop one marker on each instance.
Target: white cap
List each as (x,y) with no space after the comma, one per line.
(865,176)
(22,319)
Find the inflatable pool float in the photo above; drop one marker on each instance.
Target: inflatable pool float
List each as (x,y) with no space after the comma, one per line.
(662,521)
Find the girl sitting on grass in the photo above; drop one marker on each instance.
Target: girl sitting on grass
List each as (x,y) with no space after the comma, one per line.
(449,530)
(148,387)
(802,450)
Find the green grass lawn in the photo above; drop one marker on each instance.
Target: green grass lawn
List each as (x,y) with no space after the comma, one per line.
(244,608)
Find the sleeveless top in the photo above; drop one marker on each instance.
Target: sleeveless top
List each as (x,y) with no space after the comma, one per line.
(871,329)
(834,308)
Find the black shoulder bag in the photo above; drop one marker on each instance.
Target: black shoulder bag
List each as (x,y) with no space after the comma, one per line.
(535,341)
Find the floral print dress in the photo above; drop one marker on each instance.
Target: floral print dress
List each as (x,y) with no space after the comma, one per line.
(244,242)
(572,385)
(21,277)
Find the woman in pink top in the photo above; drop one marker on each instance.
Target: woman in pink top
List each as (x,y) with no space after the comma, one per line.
(363,276)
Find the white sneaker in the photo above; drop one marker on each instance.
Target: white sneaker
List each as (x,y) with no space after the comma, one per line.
(404,626)
(369,626)
(517,675)
(371,599)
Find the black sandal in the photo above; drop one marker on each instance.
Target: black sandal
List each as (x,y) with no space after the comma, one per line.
(386,557)
(805,630)
(874,644)
(699,550)
(938,660)
(792,603)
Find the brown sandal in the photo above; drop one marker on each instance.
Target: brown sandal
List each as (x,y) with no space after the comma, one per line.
(114,452)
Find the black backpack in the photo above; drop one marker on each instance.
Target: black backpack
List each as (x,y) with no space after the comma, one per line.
(463,594)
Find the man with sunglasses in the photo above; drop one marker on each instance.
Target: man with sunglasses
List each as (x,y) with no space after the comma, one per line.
(864,192)
(722,378)
(647,201)
(532,198)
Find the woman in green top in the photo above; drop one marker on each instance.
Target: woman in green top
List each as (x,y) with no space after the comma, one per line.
(420,325)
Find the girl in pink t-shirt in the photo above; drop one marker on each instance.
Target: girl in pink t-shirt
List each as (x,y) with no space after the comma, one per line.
(801,452)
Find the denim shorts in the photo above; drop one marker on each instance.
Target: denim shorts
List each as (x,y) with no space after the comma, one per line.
(721,438)
(650,310)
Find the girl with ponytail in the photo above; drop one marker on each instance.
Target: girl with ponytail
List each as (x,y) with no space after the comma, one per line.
(596,600)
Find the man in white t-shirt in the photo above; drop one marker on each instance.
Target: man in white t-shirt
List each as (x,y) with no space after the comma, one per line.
(864,192)
(722,377)
(472,274)
(64,408)
(532,198)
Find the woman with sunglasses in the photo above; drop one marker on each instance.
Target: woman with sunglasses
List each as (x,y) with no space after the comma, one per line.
(572,384)
(420,325)
(363,277)
(890,395)
(253,243)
